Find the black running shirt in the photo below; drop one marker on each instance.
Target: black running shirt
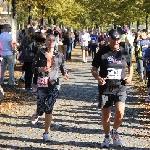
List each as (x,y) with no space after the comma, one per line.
(112,65)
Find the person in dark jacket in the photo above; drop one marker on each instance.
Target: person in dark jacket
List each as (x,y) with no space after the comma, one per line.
(65,41)
(46,64)
(29,50)
(69,46)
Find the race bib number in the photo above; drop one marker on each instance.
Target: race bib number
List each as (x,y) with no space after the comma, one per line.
(83,37)
(114,73)
(43,82)
(93,41)
(102,42)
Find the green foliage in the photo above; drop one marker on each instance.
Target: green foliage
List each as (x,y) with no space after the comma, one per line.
(85,13)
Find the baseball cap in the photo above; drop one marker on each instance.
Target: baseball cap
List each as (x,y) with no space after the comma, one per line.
(144,30)
(126,30)
(114,34)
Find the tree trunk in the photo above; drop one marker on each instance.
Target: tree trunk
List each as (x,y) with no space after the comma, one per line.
(49,20)
(138,23)
(146,22)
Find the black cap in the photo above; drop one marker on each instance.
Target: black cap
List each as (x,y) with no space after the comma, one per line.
(144,30)
(114,34)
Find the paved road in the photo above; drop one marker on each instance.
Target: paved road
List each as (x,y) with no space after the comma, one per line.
(76,119)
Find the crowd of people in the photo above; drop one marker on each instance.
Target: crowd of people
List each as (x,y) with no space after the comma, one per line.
(111,53)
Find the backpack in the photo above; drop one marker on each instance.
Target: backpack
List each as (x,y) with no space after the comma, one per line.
(27,49)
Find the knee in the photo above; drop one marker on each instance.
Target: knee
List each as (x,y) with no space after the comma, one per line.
(119,114)
(105,115)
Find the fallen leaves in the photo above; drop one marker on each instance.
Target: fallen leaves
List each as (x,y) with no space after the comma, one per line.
(141,89)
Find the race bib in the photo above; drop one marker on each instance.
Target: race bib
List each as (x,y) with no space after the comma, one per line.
(93,41)
(43,82)
(114,73)
(102,42)
(83,37)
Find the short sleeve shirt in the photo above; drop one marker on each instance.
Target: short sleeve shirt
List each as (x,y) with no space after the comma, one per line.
(5,38)
(143,44)
(84,39)
(94,38)
(112,66)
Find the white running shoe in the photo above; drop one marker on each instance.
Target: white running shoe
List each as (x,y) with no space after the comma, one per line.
(34,118)
(116,140)
(46,137)
(147,99)
(85,60)
(34,90)
(106,142)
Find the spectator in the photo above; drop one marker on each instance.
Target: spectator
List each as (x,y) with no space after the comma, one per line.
(29,50)
(69,46)
(56,34)
(35,26)
(128,41)
(8,56)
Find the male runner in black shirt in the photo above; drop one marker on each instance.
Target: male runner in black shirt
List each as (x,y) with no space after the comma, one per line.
(112,79)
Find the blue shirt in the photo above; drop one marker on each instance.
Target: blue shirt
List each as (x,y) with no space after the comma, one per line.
(94,38)
(147,55)
(144,44)
(5,38)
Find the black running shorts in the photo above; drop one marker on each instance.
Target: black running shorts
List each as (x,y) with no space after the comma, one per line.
(108,100)
(84,48)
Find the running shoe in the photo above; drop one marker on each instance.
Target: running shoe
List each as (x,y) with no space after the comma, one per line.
(34,118)
(116,140)
(34,90)
(46,137)
(147,99)
(106,142)
(22,78)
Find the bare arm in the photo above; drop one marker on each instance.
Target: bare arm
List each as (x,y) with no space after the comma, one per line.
(11,45)
(94,72)
(129,78)
(101,81)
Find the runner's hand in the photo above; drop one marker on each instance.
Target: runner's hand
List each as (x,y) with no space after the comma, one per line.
(32,54)
(127,80)
(101,81)
(66,76)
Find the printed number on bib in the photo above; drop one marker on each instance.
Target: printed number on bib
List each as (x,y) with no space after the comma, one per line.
(83,37)
(114,73)
(93,41)
(102,42)
(43,82)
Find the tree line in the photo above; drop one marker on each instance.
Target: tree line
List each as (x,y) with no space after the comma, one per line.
(84,13)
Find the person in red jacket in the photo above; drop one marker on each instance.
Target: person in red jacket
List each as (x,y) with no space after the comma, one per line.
(102,40)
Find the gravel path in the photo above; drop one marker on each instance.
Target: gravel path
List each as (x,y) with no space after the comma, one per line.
(76,121)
